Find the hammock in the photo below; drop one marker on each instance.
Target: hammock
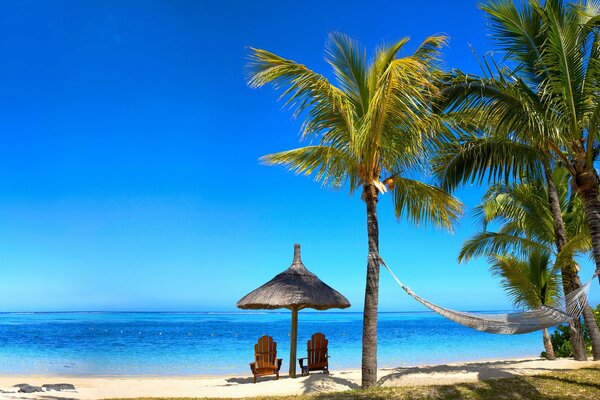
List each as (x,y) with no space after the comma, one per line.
(511,323)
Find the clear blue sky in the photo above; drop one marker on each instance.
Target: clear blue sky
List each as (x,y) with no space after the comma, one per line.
(128,165)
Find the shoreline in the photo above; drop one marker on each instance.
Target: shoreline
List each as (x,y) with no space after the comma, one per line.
(246,373)
(101,387)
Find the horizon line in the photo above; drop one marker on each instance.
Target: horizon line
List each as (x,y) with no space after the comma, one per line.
(235,312)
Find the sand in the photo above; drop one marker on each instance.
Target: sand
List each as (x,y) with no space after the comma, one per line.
(242,386)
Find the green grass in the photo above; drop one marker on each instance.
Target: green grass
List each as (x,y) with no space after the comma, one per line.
(581,384)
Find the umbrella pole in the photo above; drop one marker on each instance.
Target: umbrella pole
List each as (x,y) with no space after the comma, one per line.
(293,342)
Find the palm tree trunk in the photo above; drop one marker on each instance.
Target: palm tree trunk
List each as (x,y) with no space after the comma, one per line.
(548,346)
(591,324)
(587,186)
(369,340)
(567,275)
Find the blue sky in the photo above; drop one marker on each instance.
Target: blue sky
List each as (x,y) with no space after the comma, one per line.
(128,166)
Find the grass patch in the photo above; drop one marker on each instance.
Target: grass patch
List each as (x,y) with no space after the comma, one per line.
(580,384)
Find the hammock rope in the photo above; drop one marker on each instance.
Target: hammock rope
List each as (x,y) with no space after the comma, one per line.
(510,323)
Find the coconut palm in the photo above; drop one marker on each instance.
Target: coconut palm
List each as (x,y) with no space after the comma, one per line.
(514,106)
(530,282)
(500,155)
(556,51)
(526,225)
(373,129)
(524,221)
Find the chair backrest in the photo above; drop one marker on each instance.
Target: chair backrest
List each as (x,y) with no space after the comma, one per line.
(316,348)
(265,352)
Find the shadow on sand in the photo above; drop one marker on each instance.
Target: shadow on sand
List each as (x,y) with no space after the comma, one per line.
(319,382)
(313,383)
(246,380)
(43,397)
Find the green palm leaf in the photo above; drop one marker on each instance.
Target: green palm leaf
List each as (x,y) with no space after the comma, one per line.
(473,159)
(422,203)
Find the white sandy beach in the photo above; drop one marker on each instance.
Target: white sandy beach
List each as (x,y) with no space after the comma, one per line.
(242,386)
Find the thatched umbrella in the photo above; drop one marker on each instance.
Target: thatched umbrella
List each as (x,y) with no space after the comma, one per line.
(295,288)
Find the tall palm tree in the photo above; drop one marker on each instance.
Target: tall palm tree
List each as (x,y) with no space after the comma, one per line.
(530,283)
(374,128)
(526,226)
(556,50)
(516,107)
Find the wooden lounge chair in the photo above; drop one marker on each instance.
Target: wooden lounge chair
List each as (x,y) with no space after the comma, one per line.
(265,358)
(318,359)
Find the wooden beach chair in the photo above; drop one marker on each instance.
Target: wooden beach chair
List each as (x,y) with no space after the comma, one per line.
(265,358)
(318,359)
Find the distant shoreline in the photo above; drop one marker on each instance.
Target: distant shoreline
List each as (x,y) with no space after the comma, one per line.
(239,312)
(246,372)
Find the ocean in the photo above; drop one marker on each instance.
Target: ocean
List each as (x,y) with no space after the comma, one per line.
(213,343)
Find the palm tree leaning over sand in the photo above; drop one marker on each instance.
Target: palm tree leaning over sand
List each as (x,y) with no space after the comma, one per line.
(518,111)
(530,282)
(374,128)
(526,226)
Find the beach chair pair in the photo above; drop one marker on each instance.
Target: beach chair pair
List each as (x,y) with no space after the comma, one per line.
(266,361)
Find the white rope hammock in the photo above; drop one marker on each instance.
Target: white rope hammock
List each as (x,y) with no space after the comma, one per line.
(511,323)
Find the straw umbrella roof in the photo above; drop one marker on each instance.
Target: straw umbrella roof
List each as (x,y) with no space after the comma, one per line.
(296,287)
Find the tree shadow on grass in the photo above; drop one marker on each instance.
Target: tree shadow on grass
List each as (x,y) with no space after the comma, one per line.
(482,371)
(512,388)
(570,381)
(508,388)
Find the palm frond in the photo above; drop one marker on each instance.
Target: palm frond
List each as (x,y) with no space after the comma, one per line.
(424,204)
(329,165)
(514,280)
(304,90)
(349,61)
(562,57)
(517,28)
(577,245)
(495,243)
(475,159)
(530,282)
(429,50)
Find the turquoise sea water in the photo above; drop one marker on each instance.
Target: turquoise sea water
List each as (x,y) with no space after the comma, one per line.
(222,343)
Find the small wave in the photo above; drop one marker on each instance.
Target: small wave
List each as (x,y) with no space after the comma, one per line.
(20,313)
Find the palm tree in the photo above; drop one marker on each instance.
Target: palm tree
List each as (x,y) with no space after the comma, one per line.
(374,130)
(526,226)
(521,212)
(530,283)
(516,108)
(556,50)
